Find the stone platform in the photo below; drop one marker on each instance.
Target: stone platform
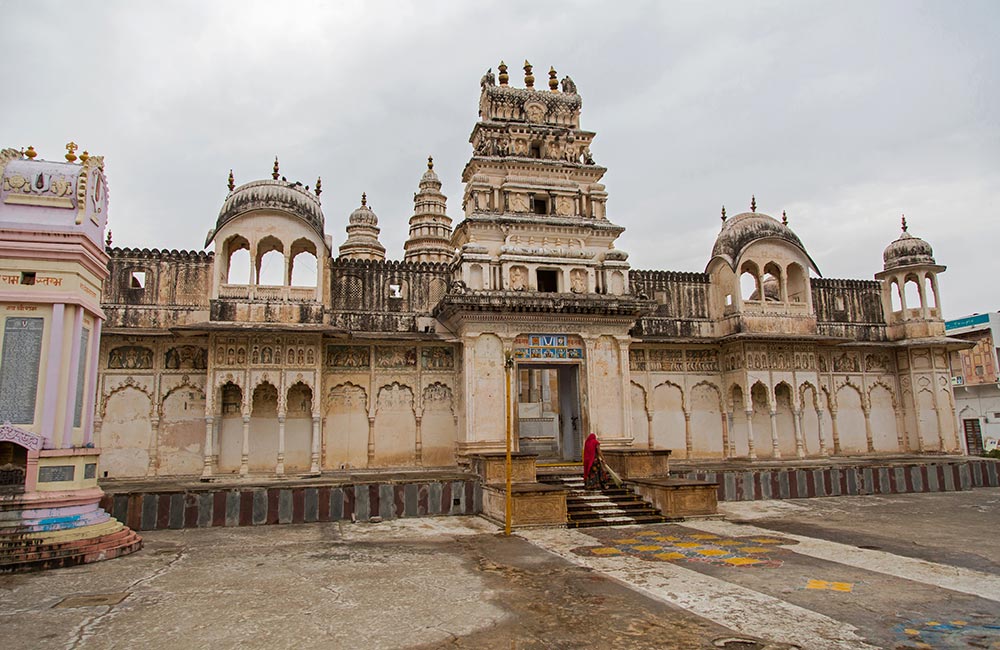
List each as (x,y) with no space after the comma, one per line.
(762,479)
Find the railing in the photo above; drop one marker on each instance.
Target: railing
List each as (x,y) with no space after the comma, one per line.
(270,294)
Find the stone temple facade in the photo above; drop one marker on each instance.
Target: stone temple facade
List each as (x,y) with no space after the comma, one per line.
(208,366)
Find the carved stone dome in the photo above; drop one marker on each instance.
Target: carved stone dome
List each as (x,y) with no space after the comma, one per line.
(363,216)
(748,227)
(907,251)
(282,196)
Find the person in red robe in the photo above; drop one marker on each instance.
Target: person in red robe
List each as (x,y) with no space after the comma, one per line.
(595,477)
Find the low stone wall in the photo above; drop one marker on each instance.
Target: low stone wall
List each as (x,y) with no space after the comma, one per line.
(532,504)
(750,483)
(210,506)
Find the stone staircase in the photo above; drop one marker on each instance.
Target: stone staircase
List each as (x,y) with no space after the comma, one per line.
(91,543)
(612,507)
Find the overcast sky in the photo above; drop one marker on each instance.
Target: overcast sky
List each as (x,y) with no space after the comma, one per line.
(844,114)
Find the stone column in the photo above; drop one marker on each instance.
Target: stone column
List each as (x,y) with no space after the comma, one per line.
(900,429)
(775,449)
(836,432)
(750,443)
(279,467)
(74,363)
(314,454)
(870,439)
(156,430)
(730,419)
(206,471)
(245,453)
(688,441)
(649,429)
(820,413)
(800,446)
(216,447)
(418,447)
(726,417)
(371,441)
(52,368)
(92,391)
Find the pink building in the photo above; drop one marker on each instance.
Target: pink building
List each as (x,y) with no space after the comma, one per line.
(52,268)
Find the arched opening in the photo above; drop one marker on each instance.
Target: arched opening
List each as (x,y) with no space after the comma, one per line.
(930,295)
(237,256)
(772,283)
(785,419)
(270,262)
(263,454)
(895,296)
(911,290)
(749,282)
(230,437)
(304,272)
(797,284)
(13,467)
(298,427)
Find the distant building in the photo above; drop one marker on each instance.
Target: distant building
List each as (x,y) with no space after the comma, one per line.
(975,375)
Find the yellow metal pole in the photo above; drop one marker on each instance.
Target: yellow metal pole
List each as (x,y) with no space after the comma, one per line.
(509,363)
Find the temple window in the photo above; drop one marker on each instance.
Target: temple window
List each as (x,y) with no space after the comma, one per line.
(548,280)
(28,277)
(395,291)
(138,280)
(536,150)
(895,296)
(539,204)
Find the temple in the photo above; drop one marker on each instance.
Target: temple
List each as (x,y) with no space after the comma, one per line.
(215,364)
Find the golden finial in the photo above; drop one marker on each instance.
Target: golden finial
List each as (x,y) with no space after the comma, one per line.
(784,218)
(364,199)
(904,223)
(319,186)
(84,157)
(71,151)
(232,181)
(553,82)
(31,153)
(274,174)
(753,203)
(503,77)
(430,163)
(723,214)
(529,79)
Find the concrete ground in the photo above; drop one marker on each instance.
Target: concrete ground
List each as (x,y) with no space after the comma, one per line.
(907,571)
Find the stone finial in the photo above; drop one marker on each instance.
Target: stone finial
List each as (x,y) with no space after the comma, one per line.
(430,163)
(364,198)
(503,78)
(904,223)
(784,218)
(31,153)
(85,156)
(232,181)
(71,151)
(107,239)
(753,203)
(553,82)
(274,172)
(723,214)
(319,186)
(529,79)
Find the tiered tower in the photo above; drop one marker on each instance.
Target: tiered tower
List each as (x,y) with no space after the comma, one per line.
(430,226)
(362,235)
(535,213)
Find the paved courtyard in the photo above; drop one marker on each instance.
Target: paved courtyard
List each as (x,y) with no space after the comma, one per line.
(908,571)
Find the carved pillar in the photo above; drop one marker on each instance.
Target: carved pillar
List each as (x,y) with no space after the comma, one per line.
(245,452)
(730,419)
(940,425)
(820,413)
(418,447)
(800,446)
(688,442)
(156,430)
(750,443)
(775,449)
(317,436)
(371,441)
(206,471)
(900,429)
(215,442)
(649,429)
(868,428)
(279,467)
(836,432)
(726,417)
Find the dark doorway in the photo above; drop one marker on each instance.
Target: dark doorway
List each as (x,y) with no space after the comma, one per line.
(13,467)
(548,411)
(973,437)
(548,281)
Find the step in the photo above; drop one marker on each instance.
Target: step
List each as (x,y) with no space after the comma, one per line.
(98,550)
(617,521)
(82,547)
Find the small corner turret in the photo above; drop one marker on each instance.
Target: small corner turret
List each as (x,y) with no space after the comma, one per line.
(910,298)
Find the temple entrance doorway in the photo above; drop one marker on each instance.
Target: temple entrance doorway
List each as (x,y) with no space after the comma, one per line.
(548,411)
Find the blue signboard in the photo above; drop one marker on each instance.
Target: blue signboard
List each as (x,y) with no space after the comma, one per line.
(969,321)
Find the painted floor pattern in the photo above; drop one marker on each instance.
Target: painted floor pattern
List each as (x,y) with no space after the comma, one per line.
(811,593)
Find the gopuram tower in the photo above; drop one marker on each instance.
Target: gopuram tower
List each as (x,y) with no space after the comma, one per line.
(539,286)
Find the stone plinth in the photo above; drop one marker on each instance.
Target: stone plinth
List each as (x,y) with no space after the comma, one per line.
(678,497)
(532,504)
(491,467)
(638,463)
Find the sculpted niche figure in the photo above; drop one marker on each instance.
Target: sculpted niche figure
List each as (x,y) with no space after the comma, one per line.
(517,278)
(568,85)
(488,79)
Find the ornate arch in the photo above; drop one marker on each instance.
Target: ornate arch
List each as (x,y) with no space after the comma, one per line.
(792,394)
(328,397)
(802,394)
(718,393)
(185,383)
(396,386)
(128,382)
(645,395)
(767,393)
(684,397)
(892,393)
(438,392)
